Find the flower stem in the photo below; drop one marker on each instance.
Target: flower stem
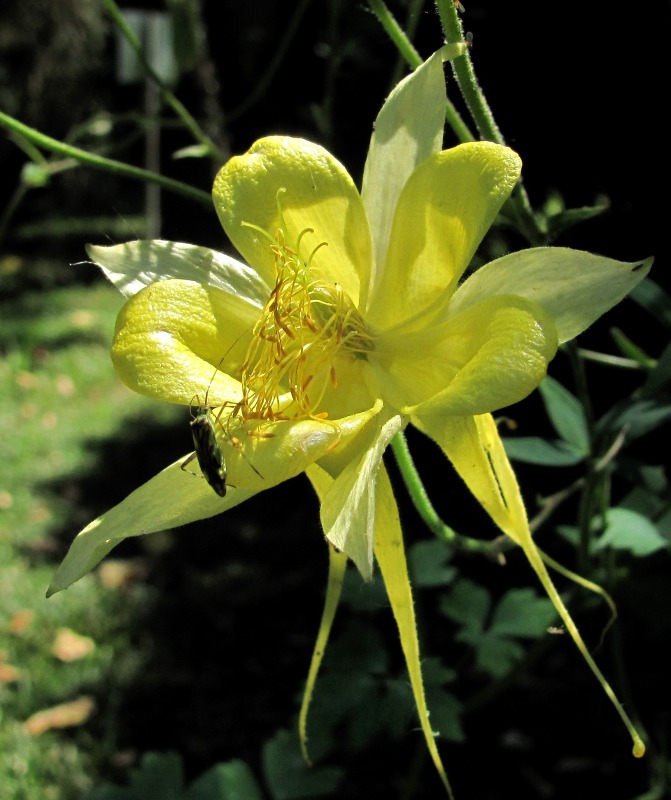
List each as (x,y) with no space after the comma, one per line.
(101,162)
(462,67)
(166,94)
(413,59)
(428,513)
(395,33)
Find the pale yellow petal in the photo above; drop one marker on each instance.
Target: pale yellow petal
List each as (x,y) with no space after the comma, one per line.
(390,555)
(408,129)
(315,191)
(348,507)
(133,265)
(321,482)
(474,447)
(171,498)
(573,286)
(178,340)
(444,211)
(490,356)
(179,495)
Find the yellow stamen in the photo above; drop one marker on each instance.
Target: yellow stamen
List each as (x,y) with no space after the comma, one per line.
(306,326)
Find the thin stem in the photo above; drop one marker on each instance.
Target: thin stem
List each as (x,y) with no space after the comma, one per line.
(462,67)
(103,163)
(388,21)
(610,360)
(413,15)
(465,75)
(413,59)
(428,513)
(166,94)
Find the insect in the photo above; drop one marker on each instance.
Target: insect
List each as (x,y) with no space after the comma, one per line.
(207,449)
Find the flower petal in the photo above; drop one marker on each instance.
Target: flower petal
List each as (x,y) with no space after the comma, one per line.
(491,355)
(390,554)
(318,194)
(408,129)
(134,265)
(444,210)
(348,507)
(171,498)
(175,496)
(474,447)
(573,286)
(174,339)
(337,566)
(467,441)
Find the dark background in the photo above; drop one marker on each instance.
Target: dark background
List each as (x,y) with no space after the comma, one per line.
(579,90)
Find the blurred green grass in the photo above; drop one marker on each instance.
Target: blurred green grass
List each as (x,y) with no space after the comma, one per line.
(61,404)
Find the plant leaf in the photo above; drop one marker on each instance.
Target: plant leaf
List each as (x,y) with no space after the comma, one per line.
(628,530)
(566,414)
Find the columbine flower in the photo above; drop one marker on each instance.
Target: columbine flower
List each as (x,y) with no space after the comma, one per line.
(347,323)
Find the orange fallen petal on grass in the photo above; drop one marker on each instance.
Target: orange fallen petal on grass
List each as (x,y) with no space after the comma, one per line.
(21,620)
(8,673)
(65,715)
(119,573)
(70,646)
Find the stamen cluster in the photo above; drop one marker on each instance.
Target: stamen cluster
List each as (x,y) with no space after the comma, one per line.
(305,326)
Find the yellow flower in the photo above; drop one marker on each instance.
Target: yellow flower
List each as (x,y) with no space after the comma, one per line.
(349,321)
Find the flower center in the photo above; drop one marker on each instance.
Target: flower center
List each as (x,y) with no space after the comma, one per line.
(306,326)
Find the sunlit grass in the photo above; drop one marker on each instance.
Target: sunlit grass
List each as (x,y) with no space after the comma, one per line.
(60,403)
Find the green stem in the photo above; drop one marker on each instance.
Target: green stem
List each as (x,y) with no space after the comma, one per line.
(612,361)
(413,59)
(388,21)
(166,94)
(413,14)
(425,509)
(465,75)
(103,163)
(479,109)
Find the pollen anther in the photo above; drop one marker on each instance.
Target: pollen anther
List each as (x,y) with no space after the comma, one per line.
(306,328)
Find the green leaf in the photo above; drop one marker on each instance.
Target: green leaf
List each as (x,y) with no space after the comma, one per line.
(108,792)
(497,657)
(522,612)
(233,780)
(192,151)
(534,450)
(429,564)
(569,533)
(566,414)
(362,595)
(358,648)
(630,349)
(635,418)
(655,300)
(467,604)
(288,776)
(659,378)
(628,530)
(160,776)
(562,221)
(445,708)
